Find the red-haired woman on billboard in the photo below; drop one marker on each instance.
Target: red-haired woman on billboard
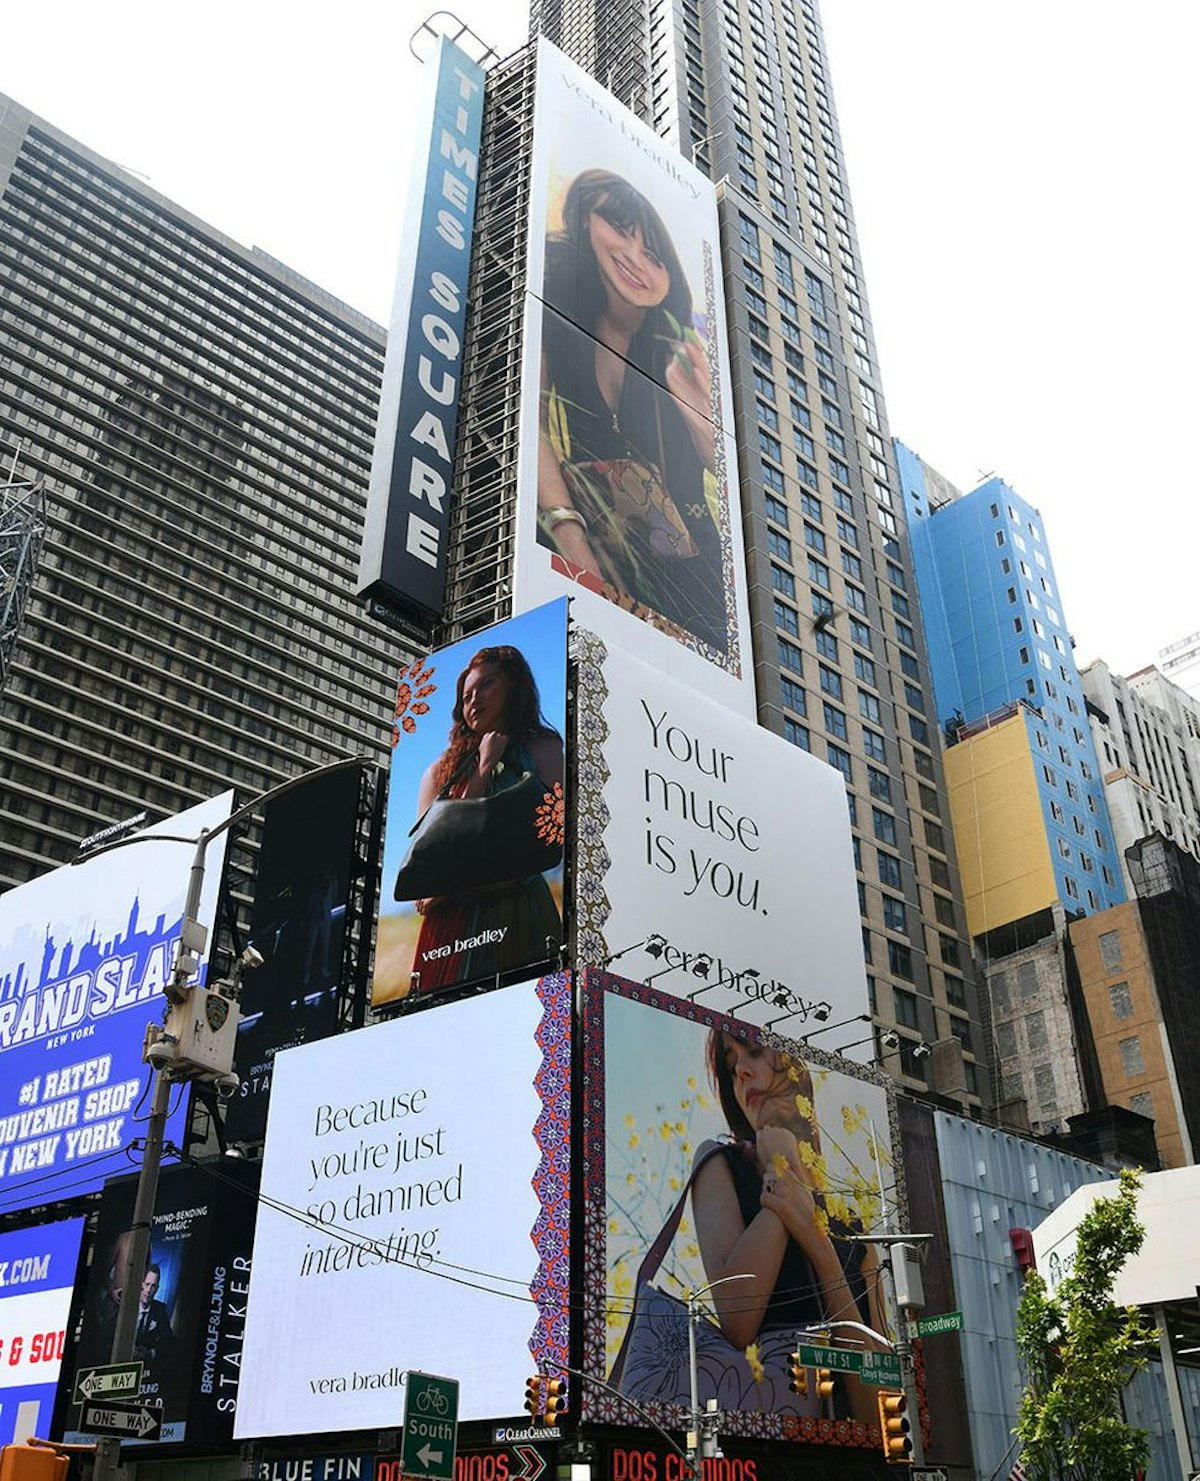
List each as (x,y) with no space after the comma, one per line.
(498,738)
(760,1210)
(627,438)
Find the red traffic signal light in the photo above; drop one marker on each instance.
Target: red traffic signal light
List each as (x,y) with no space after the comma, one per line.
(894,1428)
(799,1383)
(534,1400)
(554,1401)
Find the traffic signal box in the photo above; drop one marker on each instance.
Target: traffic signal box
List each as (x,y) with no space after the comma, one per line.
(555,1400)
(895,1428)
(825,1383)
(799,1383)
(545,1399)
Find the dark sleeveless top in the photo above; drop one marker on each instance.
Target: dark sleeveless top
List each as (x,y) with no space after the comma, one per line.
(795,1301)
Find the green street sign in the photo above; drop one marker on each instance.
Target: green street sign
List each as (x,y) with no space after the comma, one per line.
(880,1369)
(108,1381)
(837,1359)
(948,1321)
(430,1427)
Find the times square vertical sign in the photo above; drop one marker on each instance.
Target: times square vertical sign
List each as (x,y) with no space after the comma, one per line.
(403,562)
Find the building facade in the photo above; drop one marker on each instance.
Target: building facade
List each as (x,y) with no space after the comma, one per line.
(743,88)
(1147,735)
(998,639)
(200,421)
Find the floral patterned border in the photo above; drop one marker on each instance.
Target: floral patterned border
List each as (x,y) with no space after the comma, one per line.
(549,1345)
(733,663)
(601,1405)
(592,817)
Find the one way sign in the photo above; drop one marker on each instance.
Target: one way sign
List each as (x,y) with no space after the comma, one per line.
(129,1421)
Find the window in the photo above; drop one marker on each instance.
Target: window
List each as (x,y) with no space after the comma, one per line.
(895,916)
(884,826)
(874,745)
(831,683)
(840,759)
(1142,1103)
(856,600)
(818,573)
(787,618)
(1000,995)
(900,960)
(1027,980)
(868,706)
(889,869)
(1006,1040)
(835,723)
(864,669)
(778,511)
(814,539)
(1043,1084)
(904,1004)
(783,581)
(1132,1061)
(1035,1030)
(827,645)
(790,656)
(1120,1000)
(1110,950)
(860,633)
(879,784)
(796,733)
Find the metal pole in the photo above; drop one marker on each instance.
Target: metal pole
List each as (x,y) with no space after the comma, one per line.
(1183,1444)
(108,1448)
(695,1449)
(908,1372)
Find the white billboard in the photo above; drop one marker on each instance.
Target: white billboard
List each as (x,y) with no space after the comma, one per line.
(628,471)
(714,858)
(84,954)
(414,1215)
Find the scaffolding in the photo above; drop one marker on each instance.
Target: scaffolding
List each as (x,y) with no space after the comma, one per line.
(22,529)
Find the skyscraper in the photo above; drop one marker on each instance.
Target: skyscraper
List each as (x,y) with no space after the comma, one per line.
(200,419)
(742,88)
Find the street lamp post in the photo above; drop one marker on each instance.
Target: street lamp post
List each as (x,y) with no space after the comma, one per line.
(168,1071)
(696,1440)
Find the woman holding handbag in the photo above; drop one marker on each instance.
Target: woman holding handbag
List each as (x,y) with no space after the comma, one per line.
(499,741)
(760,1212)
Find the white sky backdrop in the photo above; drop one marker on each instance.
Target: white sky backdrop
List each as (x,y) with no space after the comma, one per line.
(1022,173)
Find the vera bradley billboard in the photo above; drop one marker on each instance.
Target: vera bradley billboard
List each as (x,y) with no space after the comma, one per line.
(472,864)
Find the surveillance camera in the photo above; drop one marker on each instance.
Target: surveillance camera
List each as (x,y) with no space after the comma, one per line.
(821,1012)
(890,1039)
(227,1086)
(921,1050)
(252,957)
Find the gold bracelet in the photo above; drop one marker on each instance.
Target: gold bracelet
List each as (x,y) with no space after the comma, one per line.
(550,519)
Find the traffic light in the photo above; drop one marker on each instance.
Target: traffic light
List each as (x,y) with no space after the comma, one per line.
(555,1401)
(895,1428)
(825,1384)
(534,1396)
(799,1383)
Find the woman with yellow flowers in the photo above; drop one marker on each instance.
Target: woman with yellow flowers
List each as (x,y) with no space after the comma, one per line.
(761,1211)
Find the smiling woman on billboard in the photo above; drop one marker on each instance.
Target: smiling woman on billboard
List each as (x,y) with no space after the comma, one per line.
(626,442)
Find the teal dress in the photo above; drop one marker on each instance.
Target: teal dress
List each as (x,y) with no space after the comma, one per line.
(494,930)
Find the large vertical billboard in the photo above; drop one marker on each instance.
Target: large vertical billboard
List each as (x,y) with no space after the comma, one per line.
(472,883)
(85,952)
(628,471)
(37,1278)
(711,1149)
(711,855)
(191,1296)
(408,503)
(415,1215)
(298,926)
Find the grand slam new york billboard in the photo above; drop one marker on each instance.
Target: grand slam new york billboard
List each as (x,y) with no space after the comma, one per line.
(84,953)
(628,468)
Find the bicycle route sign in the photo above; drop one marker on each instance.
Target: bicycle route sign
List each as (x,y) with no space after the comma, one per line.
(430,1433)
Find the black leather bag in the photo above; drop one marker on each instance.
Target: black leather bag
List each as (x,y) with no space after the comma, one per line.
(461,844)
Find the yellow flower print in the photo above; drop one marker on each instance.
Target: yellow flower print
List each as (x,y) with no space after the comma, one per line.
(804,1107)
(779,1164)
(757,1371)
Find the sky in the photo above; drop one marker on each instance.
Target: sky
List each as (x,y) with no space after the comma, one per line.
(1019,173)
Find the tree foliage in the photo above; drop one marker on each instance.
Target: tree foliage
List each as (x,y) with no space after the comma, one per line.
(1079,1351)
